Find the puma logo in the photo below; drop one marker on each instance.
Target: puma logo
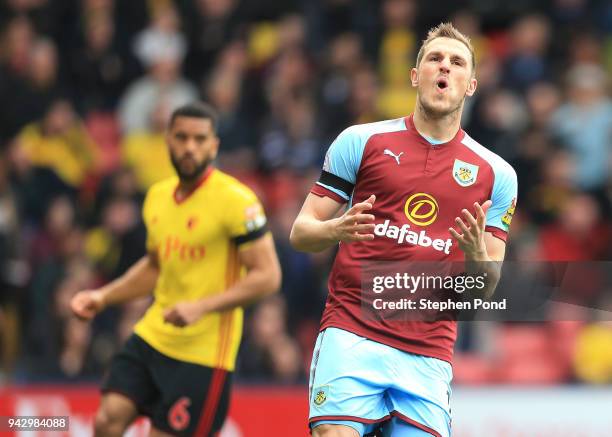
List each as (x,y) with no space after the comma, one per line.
(390,153)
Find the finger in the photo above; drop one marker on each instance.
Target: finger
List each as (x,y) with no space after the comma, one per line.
(170,315)
(457,236)
(179,322)
(75,306)
(173,317)
(462,226)
(485,206)
(83,313)
(359,207)
(88,310)
(480,214)
(360,237)
(364,228)
(362,206)
(469,218)
(76,302)
(82,309)
(363,218)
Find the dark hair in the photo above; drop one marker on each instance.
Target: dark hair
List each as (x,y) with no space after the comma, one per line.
(195,110)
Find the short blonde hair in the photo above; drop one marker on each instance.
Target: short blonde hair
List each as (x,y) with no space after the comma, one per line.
(446,30)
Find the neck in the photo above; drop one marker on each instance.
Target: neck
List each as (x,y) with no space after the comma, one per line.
(185,187)
(439,127)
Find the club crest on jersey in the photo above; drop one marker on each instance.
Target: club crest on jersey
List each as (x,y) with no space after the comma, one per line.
(191,222)
(464,173)
(320,395)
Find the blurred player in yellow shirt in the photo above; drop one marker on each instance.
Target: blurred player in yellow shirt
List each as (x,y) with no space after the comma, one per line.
(209,254)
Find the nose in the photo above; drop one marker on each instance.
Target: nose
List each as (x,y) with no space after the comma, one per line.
(190,146)
(445,65)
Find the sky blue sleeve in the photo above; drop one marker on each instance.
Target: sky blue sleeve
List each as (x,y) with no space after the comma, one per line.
(503,197)
(342,162)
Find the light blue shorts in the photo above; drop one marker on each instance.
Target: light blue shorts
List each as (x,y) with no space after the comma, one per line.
(360,383)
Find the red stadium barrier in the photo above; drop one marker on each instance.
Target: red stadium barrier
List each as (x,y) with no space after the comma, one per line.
(254,411)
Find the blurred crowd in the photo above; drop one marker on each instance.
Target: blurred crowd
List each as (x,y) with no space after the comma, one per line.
(86,89)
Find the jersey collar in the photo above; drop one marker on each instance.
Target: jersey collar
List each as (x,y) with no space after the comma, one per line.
(187,195)
(409,121)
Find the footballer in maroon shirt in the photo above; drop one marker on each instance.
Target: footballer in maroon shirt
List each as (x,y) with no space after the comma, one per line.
(415,189)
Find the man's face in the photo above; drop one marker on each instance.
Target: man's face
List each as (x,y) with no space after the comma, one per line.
(444,77)
(193,145)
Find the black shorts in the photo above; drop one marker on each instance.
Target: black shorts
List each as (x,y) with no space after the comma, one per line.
(181,398)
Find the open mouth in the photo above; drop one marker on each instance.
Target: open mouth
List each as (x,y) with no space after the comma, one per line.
(442,83)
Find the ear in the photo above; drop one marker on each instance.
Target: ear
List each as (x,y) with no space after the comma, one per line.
(414,77)
(471,89)
(214,147)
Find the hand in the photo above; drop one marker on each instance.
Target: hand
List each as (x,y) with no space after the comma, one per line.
(471,240)
(86,304)
(354,225)
(184,313)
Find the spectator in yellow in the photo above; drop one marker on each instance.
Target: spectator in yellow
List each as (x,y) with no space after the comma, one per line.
(593,358)
(145,151)
(60,143)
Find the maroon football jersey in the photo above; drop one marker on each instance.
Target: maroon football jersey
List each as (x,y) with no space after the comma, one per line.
(420,188)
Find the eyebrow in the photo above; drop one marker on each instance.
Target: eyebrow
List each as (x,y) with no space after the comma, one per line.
(453,56)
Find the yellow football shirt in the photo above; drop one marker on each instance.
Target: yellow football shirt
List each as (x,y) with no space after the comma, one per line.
(196,240)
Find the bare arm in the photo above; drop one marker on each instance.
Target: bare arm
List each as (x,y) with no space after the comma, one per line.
(138,281)
(262,279)
(484,253)
(488,263)
(317,228)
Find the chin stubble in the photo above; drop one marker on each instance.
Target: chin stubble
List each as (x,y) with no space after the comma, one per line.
(195,175)
(433,114)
